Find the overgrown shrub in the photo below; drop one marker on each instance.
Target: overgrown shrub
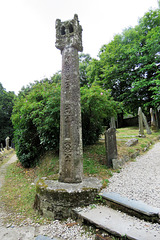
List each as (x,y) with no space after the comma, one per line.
(36,118)
(36,121)
(97,105)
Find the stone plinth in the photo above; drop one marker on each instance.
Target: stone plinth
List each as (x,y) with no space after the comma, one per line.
(56,199)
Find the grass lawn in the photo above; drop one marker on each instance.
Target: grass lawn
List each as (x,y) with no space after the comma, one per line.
(18,192)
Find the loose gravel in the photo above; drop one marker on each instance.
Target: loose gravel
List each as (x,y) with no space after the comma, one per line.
(68,229)
(139,180)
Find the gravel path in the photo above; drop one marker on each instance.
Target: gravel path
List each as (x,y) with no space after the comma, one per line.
(139,180)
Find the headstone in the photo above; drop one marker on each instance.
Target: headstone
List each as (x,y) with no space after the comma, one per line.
(69,41)
(146,124)
(156,119)
(158,115)
(113,123)
(153,121)
(111,146)
(140,119)
(7,143)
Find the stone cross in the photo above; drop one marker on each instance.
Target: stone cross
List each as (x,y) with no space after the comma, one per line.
(140,118)
(112,122)
(69,41)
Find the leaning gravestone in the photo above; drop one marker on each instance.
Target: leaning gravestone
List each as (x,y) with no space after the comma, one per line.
(146,124)
(111,146)
(56,199)
(140,119)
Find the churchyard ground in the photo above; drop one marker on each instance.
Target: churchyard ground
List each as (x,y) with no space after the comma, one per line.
(18,192)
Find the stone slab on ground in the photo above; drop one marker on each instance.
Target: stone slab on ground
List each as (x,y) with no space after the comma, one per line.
(137,206)
(119,224)
(25,233)
(41,237)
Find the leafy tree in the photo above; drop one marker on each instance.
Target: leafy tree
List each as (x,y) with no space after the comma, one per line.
(129,65)
(6,105)
(36,121)
(97,105)
(36,118)
(56,78)
(149,59)
(84,60)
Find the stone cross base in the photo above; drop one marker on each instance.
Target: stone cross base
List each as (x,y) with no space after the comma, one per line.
(56,200)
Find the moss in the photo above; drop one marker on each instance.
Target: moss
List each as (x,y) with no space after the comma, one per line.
(41,186)
(89,189)
(58,190)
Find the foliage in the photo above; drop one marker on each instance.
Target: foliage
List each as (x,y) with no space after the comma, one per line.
(130,64)
(6,105)
(84,60)
(97,105)
(18,191)
(36,118)
(36,121)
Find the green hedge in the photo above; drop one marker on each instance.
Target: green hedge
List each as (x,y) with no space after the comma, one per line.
(36,118)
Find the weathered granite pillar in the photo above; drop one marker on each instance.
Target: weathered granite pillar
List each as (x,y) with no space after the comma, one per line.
(69,41)
(113,123)
(153,120)
(146,124)
(140,118)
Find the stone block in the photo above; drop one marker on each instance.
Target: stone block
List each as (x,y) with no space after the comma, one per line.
(56,199)
(132,142)
(117,163)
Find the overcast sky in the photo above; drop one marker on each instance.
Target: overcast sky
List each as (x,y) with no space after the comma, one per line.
(27,33)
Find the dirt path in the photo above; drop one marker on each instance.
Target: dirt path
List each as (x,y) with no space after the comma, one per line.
(11,232)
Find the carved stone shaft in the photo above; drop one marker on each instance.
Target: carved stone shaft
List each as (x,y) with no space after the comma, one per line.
(71,154)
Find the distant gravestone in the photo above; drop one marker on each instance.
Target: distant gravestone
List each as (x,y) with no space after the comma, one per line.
(111,146)
(7,143)
(2,147)
(153,120)
(140,119)
(157,119)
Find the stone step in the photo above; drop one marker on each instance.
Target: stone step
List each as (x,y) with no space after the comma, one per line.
(41,237)
(132,207)
(118,224)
